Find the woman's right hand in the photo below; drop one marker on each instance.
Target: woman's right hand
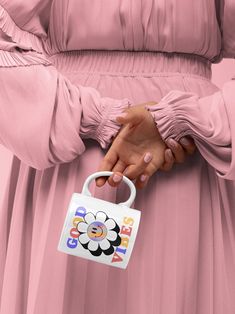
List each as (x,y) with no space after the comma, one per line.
(138,168)
(127,153)
(176,152)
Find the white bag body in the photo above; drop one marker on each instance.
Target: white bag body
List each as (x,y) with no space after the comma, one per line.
(99,230)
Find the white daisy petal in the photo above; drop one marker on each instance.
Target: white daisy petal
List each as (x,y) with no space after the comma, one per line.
(105,244)
(93,246)
(101,216)
(82,226)
(111,235)
(110,223)
(83,238)
(89,218)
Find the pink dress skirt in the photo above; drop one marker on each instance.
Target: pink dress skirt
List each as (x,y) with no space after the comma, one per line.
(182,262)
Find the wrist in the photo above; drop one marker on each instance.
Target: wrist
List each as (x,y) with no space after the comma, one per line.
(108,128)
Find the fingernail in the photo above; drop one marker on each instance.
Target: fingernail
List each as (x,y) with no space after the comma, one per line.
(147,157)
(169,154)
(117,178)
(143,177)
(172,143)
(123,115)
(184,141)
(125,172)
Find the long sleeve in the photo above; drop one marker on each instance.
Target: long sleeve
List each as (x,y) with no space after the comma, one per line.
(227,18)
(43,116)
(210,120)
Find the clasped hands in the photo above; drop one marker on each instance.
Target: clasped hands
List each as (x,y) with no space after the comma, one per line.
(138,151)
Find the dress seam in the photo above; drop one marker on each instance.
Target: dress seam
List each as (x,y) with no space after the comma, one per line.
(173,53)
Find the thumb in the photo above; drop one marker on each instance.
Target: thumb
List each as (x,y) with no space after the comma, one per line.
(129,116)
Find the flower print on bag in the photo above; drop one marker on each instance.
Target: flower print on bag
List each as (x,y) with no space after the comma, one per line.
(99,233)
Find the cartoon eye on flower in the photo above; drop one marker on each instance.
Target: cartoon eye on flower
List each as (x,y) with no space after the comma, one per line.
(98,233)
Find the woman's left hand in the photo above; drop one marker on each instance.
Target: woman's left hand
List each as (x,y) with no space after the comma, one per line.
(177,151)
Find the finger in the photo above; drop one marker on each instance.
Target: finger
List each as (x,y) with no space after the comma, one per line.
(129,116)
(118,169)
(133,171)
(142,181)
(177,150)
(188,144)
(106,164)
(115,179)
(169,160)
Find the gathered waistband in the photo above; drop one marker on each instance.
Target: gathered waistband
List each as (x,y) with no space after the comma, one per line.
(131,63)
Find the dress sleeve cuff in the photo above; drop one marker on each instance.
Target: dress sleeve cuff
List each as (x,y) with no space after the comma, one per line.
(102,125)
(170,116)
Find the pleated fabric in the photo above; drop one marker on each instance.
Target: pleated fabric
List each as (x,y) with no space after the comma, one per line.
(184,256)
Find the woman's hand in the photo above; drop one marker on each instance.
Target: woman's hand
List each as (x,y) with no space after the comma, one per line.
(136,139)
(177,152)
(174,153)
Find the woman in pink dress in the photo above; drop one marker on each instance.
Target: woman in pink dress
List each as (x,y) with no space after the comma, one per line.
(68,69)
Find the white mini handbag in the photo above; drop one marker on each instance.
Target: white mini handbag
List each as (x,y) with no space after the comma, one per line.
(98,230)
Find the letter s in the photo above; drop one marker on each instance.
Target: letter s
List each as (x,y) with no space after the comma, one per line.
(128,221)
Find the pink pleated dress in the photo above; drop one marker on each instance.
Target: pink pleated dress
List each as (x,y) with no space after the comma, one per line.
(67,69)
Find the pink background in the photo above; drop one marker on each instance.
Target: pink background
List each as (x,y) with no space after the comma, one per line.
(221,73)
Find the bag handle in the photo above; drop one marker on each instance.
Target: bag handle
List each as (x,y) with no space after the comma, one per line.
(85,189)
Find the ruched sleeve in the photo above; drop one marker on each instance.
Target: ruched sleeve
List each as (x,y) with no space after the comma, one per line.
(44,118)
(227,24)
(210,120)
